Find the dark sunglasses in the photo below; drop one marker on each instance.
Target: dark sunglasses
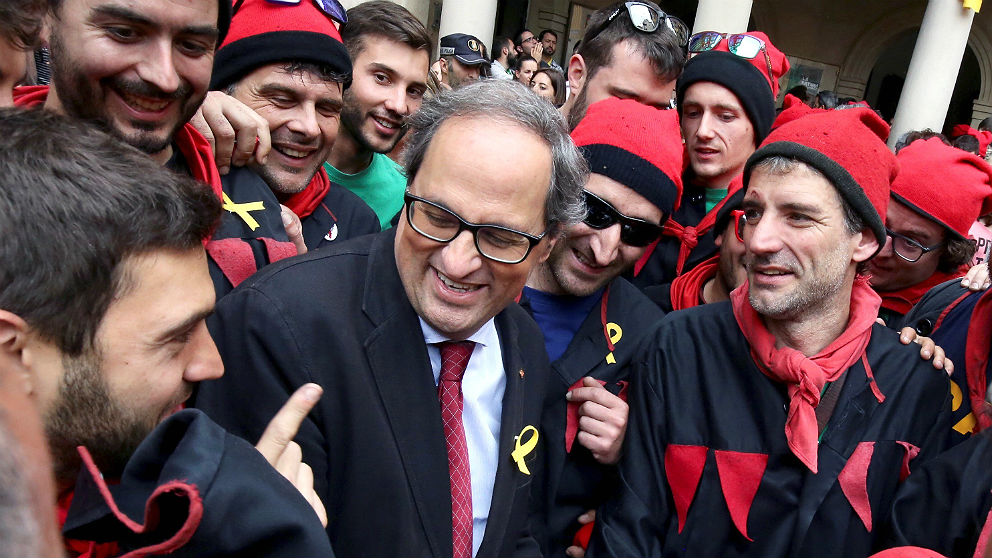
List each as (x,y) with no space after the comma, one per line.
(633,232)
(331,8)
(645,18)
(739,44)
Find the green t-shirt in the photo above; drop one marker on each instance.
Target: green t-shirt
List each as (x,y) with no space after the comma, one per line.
(713,197)
(381,186)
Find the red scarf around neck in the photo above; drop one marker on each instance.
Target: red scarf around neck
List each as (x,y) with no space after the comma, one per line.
(902,301)
(304,203)
(806,376)
(687,289)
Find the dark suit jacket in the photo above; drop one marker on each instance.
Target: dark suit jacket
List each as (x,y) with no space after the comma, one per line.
(339,317)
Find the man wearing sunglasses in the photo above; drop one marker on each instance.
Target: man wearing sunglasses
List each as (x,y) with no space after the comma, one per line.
(938,195)
(630,50)
(427,441)
(726,104)
(781,423)
(592,319)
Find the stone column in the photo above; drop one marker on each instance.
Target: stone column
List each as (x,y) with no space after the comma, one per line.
(474,17)
(933,69)
(725,16)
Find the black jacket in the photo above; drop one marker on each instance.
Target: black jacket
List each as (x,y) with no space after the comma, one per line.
(339,317)
(700,401)
(195,490)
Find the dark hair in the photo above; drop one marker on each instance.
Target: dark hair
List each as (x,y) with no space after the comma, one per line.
(520,35)
(20,22)
(519,61)
(966,143)
(799,92)
(507,101)
(985,125)
(76,203)
(381,18)
(913,135)
(544,32)
(498,44)
(557,83)
(828,99)
(661,48)
(956,253)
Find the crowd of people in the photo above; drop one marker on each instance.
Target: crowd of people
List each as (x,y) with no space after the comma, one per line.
(279,283)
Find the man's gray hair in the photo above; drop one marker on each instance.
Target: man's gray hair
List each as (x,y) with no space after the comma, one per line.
(508,101)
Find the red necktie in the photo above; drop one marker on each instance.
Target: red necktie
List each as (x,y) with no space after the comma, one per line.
(454,359)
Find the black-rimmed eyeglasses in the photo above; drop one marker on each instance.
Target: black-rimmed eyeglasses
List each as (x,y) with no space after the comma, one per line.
(909,249)
(495,242)
(646,18)
(633,231)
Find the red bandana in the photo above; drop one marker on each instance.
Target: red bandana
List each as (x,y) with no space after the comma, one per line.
(806,376)
(904,300)
(687,289)
(303,203)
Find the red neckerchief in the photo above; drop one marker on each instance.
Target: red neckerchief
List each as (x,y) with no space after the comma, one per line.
(303,203)
(902,301)
(687,289)
(30,96)
(806,376)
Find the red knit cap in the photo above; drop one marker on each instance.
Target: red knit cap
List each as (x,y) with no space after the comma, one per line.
(792,108)
(780,64)
(264,32)
(848,147)
(984,138)
(944,184)
(636,145)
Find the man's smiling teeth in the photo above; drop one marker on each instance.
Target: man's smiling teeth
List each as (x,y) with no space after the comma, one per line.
(583,259)
(293,153)
(385,123)
(458,287)
(143,103)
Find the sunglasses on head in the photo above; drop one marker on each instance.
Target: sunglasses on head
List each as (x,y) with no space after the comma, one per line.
(739,44)
(633,232)
(331,8)
(646,18)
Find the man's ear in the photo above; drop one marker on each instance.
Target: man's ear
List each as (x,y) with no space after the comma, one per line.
(866,246)
(442,64)
(576,73)
(15,357)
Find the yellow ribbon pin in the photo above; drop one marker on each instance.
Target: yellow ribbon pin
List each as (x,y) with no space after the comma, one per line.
(243,210)
(615,334)
(523,448)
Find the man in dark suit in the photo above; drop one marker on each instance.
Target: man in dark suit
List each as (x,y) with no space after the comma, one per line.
(412,455)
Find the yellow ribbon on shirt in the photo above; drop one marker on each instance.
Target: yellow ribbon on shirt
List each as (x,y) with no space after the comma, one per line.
(523,448)
(973,4)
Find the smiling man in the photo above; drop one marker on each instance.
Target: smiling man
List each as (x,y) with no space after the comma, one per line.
(780,423)
(108,338)
(413,454)
(390,51)
(287,63)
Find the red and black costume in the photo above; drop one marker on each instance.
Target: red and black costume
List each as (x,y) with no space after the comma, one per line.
(330,212)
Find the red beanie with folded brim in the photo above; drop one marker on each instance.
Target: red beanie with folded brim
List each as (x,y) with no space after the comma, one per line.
(848,147)
(945,184)
(637,145)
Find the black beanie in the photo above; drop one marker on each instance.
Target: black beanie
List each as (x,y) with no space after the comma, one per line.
(741,78)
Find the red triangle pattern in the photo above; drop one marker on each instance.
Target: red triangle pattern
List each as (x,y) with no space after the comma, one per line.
(740,476)
(684,467)
(853,481)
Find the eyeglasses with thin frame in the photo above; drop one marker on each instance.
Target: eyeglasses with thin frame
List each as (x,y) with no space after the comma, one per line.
(331,8)
(633,231)
(909,249)
(739,44)
(645,18)
(495,242)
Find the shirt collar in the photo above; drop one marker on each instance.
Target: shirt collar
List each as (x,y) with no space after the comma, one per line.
(485,335)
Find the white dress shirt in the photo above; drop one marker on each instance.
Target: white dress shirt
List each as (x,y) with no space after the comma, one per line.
(482,395)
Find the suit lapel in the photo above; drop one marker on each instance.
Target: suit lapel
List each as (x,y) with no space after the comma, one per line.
(397,356)
(511,424)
